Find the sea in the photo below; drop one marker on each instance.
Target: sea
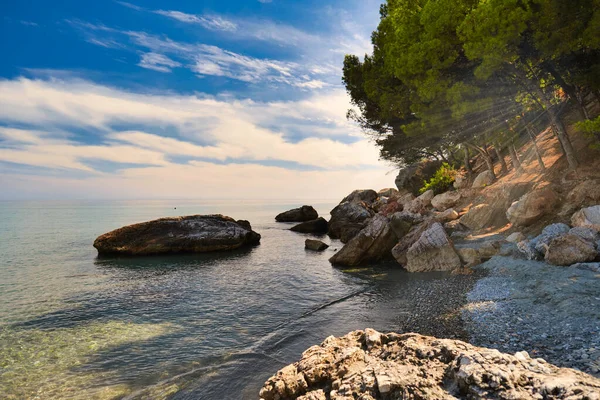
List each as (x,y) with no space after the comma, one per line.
(207,326)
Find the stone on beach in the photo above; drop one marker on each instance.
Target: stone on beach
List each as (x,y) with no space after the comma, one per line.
(532,206)
(587,217)
(433,251)
(190,234)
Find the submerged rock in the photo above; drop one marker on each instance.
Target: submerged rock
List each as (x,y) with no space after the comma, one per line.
(301,214)
(318,225)
(190,234)
(315,245)
(373,243)
(369,365)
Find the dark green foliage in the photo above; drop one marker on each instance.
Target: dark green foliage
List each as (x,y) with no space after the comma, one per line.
(442,180)
(592,129)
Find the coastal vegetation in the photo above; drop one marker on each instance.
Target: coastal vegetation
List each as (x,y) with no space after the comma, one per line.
(451,79)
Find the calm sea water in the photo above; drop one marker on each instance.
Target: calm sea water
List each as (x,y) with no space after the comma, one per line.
(185,327)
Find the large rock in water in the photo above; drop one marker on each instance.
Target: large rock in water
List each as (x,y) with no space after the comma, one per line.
(532,206)
(318,225)
(315,245)
(413,177)
(373,243)
(347,219)
(191,234)
(433,251)
(301,214)
(369,365)
(366,195)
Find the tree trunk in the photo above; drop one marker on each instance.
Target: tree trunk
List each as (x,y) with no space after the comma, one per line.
(486,157)
(515,159)
(468,162)
(581,100)
(569,89)
(536,149)
(503,166)
(560,130)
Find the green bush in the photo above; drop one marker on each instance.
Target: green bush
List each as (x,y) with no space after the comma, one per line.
(591,128)
(442,180)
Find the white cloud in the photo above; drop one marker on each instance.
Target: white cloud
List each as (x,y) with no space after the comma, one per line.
(214,23)
(158,62)
(235,131)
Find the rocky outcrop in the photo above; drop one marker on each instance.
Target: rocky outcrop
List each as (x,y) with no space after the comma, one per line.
(433,251)
(190,234)
(367,195)
(484,179)
(585,194)
(421,204)
(369,365)
(446,216)
(302,214)
(587,217)
(347,219)
(400,250)
(315,245)
(318,225)
(570,249)
(444,201)
(389,192)
(373,243)
(484,216)
(413,177)
(532,206)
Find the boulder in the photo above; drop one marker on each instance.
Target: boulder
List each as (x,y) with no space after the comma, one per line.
(515,237)
(400,250)
(406,199)
(585,194)
(532,206)
(391,208)
(484,216)
(446,216)
(401,223)
(347,219)
(589,234)
(587,217)
(484,179)
(570,249)
(413,177)
(318,225)
(535,249)
(366,195)
(380,203)
(369,365)
(373,243)
(421,203)
(388,192)
(301,214)
(469,256)
(444,201)
(461,182)
(190,234)
(433,251)
(315,245)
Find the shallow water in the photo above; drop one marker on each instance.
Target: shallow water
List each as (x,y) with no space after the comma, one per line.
(186,327)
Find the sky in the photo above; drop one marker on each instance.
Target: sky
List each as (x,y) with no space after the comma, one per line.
(182,99)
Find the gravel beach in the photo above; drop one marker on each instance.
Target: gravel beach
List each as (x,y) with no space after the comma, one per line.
(551,312)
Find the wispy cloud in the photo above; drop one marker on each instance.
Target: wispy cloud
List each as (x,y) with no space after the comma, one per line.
(214,23)
(158,62)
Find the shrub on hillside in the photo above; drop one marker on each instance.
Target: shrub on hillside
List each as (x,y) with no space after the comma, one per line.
(442,180)
(591,128)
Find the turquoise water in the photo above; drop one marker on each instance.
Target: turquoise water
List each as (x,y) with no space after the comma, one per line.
(186,327)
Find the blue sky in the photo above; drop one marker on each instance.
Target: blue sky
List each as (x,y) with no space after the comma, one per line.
(212,99)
